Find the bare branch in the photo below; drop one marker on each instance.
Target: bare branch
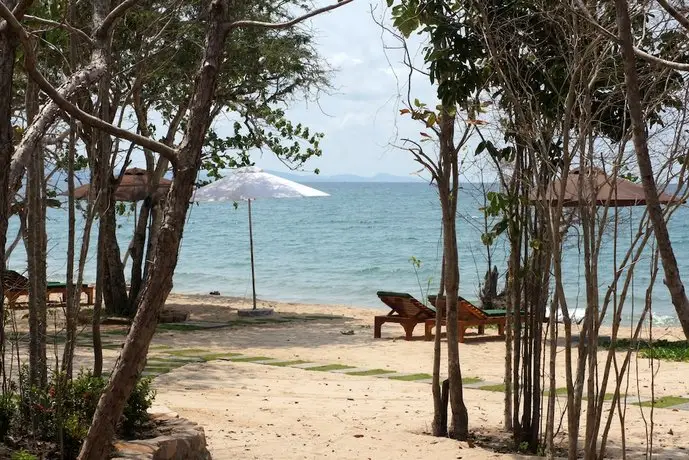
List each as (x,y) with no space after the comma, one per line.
(64,104)
(285,25)
(62,25)
(116,13)
(642,54)
(675,13)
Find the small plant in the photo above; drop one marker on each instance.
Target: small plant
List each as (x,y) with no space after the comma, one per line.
(8,411)
(135,415)
(23,455)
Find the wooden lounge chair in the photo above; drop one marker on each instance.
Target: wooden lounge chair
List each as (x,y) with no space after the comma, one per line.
(469,315)
(406,310)
(17,286)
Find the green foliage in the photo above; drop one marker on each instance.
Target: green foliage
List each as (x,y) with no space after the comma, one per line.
(135,415)
(8,412)
(66,407)
(23,455)
(660,349)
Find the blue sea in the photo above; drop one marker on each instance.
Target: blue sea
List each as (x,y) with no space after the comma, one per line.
(343,248)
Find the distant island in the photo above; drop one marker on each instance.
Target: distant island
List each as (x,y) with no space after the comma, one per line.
(311,177)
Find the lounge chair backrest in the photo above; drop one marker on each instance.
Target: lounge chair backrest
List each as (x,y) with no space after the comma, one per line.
(12,280)
(405,305)
(466,310)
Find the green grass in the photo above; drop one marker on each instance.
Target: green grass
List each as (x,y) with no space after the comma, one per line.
(160,347)
(665,401)
(370,372)
(188,352)
(158,369)
(659,349)
(247,359)
(179,327)
(411,377)
(288,363)
(499,387)
(329,367)
(212,356)
(471,380)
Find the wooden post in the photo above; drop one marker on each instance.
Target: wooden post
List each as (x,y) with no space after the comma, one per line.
(251,245)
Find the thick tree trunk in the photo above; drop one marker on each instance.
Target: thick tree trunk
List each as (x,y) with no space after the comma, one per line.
(159,281)
(667,254)
(7,57)
(137,250)
(114,283)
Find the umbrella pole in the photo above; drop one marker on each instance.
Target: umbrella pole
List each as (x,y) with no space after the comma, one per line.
(251,245)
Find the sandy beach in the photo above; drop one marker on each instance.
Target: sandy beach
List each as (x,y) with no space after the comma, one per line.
(254,410)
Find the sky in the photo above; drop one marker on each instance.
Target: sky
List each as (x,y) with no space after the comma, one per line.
(360,116)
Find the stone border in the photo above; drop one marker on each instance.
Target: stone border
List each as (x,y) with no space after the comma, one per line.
(181,439)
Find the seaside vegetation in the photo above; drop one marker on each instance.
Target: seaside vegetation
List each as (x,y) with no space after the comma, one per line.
(543,94)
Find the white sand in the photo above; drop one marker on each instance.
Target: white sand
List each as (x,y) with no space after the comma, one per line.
(259,411)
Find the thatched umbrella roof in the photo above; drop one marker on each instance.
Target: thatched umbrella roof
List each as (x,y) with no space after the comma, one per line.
(606,190)
(134,187)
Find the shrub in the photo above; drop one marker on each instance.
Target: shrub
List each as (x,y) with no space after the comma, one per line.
(135,415)
(8,411)
(67,407)
(23,455)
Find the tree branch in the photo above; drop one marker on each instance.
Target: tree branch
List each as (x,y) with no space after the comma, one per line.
(62,25)
(284,25)
(119,11)
(64,104)
(642,54)
(683,20)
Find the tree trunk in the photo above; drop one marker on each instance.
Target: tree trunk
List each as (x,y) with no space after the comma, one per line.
(448,186)
(7,57)
(137,250)
(439,403)
(114,283)
(159,281)
(667,254)
(36,245)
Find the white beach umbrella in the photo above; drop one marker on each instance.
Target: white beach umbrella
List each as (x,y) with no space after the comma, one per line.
(251,183)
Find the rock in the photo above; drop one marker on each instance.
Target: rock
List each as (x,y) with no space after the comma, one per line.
(215,293)
(173,316)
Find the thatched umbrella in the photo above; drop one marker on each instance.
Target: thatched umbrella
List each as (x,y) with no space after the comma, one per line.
(133,187)
(605,190)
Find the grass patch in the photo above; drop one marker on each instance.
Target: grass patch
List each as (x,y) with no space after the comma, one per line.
(471,380)
(160,347)
(329,367)
(411,377)
(665,401)
(179,327)
(288,363)
(188,352)
(247,359)
(499,387)
(659,349)
(158,369)
(115,332)
(370,372)
(212,356)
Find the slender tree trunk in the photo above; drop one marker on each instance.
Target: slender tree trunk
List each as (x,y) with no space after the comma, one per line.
(114,283)
(7,58)
(159,281)
(655,212)
(72,307)
(36,253)
(448,187)
(439,405)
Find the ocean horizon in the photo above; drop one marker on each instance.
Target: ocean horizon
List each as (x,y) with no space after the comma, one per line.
(343,248)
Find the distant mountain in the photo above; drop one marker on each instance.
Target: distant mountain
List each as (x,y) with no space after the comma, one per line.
(310,177)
